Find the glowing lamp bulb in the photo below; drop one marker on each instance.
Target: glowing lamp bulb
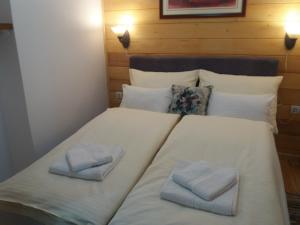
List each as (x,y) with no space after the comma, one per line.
(122,30)
(119,30)
(127,21)
(292,24)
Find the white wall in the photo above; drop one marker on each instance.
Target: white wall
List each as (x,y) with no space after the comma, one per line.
(17,149)
(5,15)
(5,163)
(61,54)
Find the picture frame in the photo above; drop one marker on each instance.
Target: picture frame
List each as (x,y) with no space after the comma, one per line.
(202,8)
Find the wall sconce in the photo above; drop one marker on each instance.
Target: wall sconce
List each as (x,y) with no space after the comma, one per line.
(123,34)
(292,29)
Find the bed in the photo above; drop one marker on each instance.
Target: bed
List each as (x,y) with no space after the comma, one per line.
(52,199)
(229,142)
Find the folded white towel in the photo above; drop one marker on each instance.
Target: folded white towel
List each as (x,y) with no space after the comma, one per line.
(225,204)
(98,173)
(206,180)
(84,156)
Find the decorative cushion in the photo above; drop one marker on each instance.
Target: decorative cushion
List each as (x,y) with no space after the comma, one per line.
(189,100)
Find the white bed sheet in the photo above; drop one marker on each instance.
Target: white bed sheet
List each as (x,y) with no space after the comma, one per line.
(229,142)
(140,133)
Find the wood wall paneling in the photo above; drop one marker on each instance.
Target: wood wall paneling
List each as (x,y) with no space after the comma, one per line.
(260,33)
(6,26)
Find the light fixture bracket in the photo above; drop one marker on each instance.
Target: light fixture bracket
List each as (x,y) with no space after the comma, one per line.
(125,39)
(289,42)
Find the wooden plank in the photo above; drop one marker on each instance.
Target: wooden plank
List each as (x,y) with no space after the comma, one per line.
(291,173)
(263,47)
(271,1)
(256,12)
(116,85)
(294,64)
(291,81)
(132,4)
(6,26)
(118,73)
(289,96)
(202,30)
(120,59)
(114,102)
(288,142)
(117,59)
(284,113)
(289,127)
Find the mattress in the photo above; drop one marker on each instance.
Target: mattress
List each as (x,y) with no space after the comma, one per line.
(56,199)
(229,142)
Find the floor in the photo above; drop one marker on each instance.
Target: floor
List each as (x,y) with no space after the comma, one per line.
(291,173)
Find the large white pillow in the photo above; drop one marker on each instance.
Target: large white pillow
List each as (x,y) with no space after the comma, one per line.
(151,99)
(252,107)
(163,79)
(256,85)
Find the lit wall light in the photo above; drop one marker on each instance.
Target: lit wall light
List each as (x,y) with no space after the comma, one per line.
(292,29)
(122,30)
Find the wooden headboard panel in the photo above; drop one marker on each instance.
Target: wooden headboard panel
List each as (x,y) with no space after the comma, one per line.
(251,66)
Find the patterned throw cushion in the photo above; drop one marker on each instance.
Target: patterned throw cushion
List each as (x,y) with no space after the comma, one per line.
(189,100)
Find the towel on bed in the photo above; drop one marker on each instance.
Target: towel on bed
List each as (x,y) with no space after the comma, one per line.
(84,156)
(98,173)
(225,204)
(206,180)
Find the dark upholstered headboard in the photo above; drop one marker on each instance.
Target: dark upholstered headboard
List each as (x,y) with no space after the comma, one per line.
(227,65)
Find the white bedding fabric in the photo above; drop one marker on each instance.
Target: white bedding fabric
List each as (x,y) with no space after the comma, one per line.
(227,142)
(140,133)
(251,107)
(151,99)
(148,79)
(241,84)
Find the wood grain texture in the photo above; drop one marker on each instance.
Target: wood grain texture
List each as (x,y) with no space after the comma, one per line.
(288,143)
(259,33)
(291,173)
(6,26)
(234,30)
(224,46)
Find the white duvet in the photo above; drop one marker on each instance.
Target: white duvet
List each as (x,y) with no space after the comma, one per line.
(229,142)
(140,133)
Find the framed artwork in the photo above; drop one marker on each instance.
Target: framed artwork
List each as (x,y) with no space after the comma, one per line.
(201,8)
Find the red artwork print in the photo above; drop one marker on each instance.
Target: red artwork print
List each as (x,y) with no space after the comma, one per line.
(177,4)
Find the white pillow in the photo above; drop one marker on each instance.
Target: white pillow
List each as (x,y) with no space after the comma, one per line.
(252,107)
(256,85)
(163,79)
(151,99)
